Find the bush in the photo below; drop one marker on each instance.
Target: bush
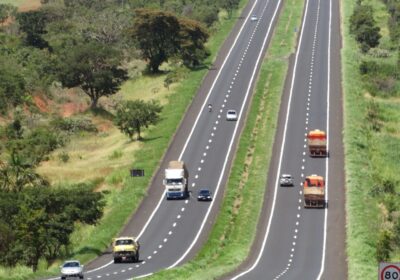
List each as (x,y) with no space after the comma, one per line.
(383,247)
(63,156)
(73,125)
(368,67)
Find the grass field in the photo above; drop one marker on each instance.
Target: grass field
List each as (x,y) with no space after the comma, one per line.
(229,242)
(371,156)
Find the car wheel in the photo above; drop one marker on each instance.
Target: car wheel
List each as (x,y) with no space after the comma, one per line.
(116,260)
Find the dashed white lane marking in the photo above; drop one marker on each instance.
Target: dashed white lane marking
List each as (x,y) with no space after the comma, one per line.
(169,232)
(160,246)
(217,122)
(165,240)
(193,184)
(174,224)
(298,215)
(186,201)
(130,268)
(155,252)
(115,272)
(183,209)
(202,161)
(197,176)
(178,217)
(199,168)
(219,116)
(207,147)
(209,140)
(122,271)
(223,105)
(204,154)
(215,128)
(137,265)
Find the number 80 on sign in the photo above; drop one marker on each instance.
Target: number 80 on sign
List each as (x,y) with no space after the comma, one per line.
(389,271)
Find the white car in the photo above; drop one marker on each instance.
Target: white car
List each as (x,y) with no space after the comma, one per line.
(253,18)
(286,180)
(231,115)
(71,269)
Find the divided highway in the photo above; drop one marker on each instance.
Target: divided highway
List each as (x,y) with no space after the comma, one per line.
(294,242)
(170,232)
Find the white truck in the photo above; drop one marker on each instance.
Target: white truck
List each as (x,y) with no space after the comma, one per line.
(176,180)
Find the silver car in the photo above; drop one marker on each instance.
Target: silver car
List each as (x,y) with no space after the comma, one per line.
(71,269)
(286,180)
(231,115)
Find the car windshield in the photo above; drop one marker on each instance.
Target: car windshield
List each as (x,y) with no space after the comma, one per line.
(204,192)
(124,242)
(71,264)
(231,113)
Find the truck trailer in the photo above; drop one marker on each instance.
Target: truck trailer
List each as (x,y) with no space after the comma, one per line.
(317,143)
(314,192)
(176,180)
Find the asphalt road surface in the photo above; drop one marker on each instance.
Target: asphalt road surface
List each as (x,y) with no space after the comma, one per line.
(294,242)
(170,232)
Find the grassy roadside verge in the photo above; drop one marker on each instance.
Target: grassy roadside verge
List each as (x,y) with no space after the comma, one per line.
(89,242)
(371,155)
(234,231)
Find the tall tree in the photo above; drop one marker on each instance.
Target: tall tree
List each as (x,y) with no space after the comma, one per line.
(157,34)
(161,35)
(193,37)
(133,115)
(93,67)
(33,23)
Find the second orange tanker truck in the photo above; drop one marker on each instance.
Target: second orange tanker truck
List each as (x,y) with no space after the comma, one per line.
(314,192)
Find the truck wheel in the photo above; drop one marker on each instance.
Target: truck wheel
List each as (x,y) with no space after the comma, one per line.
(137,257)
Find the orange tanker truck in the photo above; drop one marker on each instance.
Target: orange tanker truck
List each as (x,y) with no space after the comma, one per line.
(314,192)
(317,143)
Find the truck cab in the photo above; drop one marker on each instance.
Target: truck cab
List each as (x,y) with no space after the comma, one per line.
(125,249)
(175,180)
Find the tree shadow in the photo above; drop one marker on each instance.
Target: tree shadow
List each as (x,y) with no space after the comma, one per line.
(149,139)
(91,250)
(101,112)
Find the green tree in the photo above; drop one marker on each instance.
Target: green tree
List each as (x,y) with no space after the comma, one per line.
(133,115)
(38,222)
(157,35)
(6,11)
(161,36)
(229,5)
(12,85)
(364,28)
(93,67)
(193,37)
(33,23)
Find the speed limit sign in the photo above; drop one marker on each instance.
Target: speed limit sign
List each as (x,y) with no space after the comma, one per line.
(389,271)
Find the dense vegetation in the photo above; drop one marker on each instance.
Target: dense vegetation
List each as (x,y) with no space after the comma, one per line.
(92,47)
(372,86)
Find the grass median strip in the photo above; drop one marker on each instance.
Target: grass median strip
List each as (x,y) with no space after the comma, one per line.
(233,233)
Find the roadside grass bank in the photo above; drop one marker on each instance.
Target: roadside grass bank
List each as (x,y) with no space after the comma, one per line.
(234,230)
(90,241)
(372,152)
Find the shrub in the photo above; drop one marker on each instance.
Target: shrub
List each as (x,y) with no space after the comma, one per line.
(63,156)
(73,125)
(383,247)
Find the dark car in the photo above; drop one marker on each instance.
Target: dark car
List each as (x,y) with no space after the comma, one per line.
(204,195)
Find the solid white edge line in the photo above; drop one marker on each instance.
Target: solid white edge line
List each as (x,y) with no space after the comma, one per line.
(280,156)
(233,138)
(198,117)
(327,143)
